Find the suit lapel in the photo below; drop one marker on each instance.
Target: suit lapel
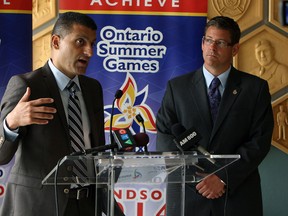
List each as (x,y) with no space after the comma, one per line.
(87,97)
(231,92)
(54,92)
(199,95)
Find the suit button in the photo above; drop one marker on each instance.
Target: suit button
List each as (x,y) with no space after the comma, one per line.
(69,168)
(65,179)
(66,190)
(1,140)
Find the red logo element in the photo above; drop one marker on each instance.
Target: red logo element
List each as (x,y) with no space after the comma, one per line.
(122,131)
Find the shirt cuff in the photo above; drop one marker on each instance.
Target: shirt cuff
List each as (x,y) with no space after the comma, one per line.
(10,134)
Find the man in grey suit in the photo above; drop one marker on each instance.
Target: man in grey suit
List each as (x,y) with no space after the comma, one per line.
(243,125)
(34,125)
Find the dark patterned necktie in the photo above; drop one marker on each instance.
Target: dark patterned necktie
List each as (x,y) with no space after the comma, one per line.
(76,131)
(214,97)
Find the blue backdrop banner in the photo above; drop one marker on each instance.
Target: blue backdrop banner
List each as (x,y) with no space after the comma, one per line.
(140,46)
(15,52)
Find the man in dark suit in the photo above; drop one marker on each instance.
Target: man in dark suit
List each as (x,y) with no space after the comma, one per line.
(34,123)
(243,124)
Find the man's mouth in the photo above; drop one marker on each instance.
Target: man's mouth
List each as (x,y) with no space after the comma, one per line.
(211,55)
(83,61)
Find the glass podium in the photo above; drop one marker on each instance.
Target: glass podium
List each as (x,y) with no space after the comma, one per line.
(154,169)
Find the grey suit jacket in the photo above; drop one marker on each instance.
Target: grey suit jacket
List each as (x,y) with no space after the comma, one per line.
(244,126)
(39,147)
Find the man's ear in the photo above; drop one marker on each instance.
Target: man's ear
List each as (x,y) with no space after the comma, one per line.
(55,41)
(235,49)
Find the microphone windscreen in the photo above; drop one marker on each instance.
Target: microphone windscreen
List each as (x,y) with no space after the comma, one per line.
(118,94)
(139,118)
(141,139)
(177,129)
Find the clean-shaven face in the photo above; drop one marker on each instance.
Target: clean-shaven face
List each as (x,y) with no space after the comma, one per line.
(75,50)
(217,58)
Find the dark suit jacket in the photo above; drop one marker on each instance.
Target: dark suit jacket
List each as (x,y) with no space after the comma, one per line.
(39,147)
(244,126)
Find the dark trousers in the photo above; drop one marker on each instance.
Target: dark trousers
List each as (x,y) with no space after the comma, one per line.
(81,207)
(86,205)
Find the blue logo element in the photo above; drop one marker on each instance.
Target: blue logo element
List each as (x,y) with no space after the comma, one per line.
(124,136)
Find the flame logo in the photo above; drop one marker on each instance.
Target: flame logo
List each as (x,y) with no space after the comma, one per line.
(128,106)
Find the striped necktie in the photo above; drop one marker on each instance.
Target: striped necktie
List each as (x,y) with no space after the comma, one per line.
(76,131)
(214,97)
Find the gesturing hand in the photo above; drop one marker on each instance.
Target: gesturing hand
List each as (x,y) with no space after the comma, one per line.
(30,112)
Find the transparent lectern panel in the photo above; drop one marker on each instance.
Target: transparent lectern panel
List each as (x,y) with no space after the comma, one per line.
(63,173)
(168,172)
(131,167)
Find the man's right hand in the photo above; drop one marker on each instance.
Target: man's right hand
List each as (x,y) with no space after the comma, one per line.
(30,112)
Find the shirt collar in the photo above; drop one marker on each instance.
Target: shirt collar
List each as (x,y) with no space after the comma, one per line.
(61,79)
(222,77)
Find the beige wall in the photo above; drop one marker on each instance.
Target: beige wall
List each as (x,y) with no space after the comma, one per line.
(262,37)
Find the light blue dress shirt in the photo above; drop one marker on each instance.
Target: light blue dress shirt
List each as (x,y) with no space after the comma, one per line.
(222,77)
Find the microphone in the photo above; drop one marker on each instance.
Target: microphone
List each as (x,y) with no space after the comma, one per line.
(141,120)
(187,139)
(125,142)
(141,139)
(176,130)
(124,139)
(118,95)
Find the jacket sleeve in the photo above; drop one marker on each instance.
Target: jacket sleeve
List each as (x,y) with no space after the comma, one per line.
(166,117)
(14,92)
(257,141)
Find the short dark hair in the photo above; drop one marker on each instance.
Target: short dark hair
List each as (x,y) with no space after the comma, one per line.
(228,24)
(65,22)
